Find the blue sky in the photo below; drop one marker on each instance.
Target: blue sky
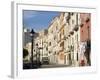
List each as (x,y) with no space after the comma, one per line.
(38,20)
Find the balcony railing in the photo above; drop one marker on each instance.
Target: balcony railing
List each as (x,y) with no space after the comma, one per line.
(76,27)
(81,25)
(71,48)
(61,48)
(87,19)
(71,32)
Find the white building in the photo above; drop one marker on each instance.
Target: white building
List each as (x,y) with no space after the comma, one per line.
(72,38)
(27,42)
(42,47)
(26,36)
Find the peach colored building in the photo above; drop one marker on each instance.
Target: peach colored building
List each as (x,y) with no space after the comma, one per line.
(85,31)
(85,35)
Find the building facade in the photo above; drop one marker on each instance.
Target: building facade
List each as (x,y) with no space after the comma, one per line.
(27,43)
(52,41)
(85,36)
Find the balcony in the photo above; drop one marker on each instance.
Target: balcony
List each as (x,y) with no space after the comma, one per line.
(76,27)
(68,35)
(61,39)
(81,25)
(87,19)
(61,48)
(68,17)
(70,48)
(71,32)
(65,38)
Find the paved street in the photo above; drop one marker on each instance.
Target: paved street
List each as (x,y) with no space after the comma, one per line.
(28,66)
(54,66)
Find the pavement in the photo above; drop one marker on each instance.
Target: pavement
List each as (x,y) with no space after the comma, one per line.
(54,65)
(35,66)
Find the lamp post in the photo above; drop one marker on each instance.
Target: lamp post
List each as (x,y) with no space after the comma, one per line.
(32,36)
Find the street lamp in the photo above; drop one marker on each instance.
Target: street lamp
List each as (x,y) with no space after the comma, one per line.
(32,36)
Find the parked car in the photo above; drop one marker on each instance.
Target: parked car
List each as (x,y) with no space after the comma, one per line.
(45,60)
(30,65)
(26,65)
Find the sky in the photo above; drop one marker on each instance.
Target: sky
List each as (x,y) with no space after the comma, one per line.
(38,20)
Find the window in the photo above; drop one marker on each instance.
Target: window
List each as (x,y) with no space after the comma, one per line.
(77,37)
(46,48)
(62,45)
(56,27)
(49,52)
(72,14)
(72,21)
(51,31)
(81,25)
(49,43)
(77,56)
(68,18)
(54,37)
(63,31)
(60,36)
